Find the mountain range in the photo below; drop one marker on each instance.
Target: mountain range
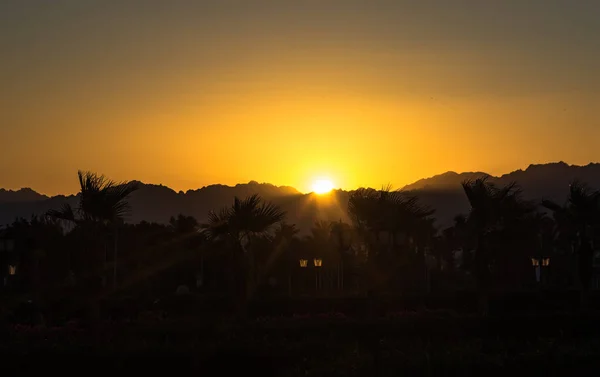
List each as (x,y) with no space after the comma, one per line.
(157,203)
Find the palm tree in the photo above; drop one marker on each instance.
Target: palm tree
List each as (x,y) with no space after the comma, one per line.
(320,243)
(493,210)
(286,239)
(386,212)
(575,221)
(382,218)
(102,202)
(320,232)
(237,226)
(342,235)
(245,218)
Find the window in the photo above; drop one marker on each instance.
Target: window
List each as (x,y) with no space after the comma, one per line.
(12,270)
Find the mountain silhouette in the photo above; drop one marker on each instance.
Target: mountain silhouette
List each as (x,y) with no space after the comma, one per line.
(550,181)
(157,203)
(22,195)
(535,180)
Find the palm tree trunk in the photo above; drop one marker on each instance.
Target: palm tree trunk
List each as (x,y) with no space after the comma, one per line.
(342,273)
(201,271)
(105,269)
(69,267)
(483,278)
(586,261)
(115,257)
(243,276)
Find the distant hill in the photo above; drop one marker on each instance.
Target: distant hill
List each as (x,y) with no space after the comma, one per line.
(22,195)
(544,181)
(157,203)
(446,181)
(550,181)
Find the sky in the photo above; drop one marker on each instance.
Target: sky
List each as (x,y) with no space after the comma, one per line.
(365,93)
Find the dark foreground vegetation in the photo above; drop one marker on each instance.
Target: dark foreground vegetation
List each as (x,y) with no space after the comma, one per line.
(511,287)
(419,343)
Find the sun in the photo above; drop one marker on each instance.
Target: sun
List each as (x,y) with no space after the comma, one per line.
(322,186)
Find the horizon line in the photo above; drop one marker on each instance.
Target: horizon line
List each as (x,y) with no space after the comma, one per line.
(308,192)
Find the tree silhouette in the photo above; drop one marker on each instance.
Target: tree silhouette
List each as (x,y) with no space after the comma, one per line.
(183,224)
(390,223)
(286,239)
(385,212)
(342,236)
(236,227)
(287,232)
(102,202)
(576,221)
(244,219)
(493,211)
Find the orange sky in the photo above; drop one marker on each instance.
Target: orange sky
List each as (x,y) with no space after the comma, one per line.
(366,93)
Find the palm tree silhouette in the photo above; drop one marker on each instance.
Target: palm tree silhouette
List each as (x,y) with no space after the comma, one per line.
(493,210)
(245,218)
(286,231)
(286,239)
(383,219)
(342,237)
(102,202)
(321,246)
(237,226)
(385,212)
(576,221)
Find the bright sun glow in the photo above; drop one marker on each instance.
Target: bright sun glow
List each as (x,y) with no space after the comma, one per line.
(322,186)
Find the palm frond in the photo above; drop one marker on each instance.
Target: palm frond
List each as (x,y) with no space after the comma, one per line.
(65,213)
(116,205)
(218,224)
(265,216)
(469,187)
(102,199)
(552,206)
(286,231)
(511,189)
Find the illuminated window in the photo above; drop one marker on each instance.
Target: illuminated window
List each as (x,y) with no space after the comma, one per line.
(303,262)
(535,262)
(546,262)
(12,270)
(318,262)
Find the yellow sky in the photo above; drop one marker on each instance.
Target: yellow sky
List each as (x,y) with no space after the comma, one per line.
(189,96)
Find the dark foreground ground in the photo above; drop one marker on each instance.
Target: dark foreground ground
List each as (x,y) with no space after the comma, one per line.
(414,344)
